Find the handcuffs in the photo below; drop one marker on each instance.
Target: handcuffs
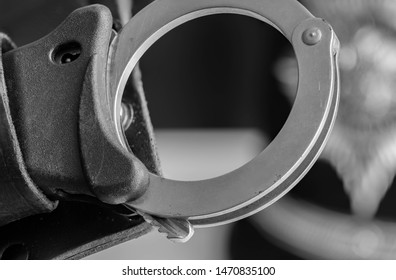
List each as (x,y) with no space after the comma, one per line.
(115,174)
(278,168)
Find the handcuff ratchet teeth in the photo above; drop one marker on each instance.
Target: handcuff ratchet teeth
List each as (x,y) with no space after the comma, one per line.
(278,168)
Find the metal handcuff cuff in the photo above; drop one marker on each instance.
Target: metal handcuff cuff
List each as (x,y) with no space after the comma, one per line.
(93,159)
(284,162)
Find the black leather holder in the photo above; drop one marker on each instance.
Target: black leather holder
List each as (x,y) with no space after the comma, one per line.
(47,207)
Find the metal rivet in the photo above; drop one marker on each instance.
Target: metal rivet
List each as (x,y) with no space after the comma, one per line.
(312,36)
(67,53)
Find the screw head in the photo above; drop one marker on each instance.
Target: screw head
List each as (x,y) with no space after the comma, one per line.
(312,36)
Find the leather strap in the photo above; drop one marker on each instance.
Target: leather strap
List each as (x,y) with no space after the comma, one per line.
(19,196)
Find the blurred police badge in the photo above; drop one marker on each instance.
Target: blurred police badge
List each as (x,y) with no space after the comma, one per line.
(361,148)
